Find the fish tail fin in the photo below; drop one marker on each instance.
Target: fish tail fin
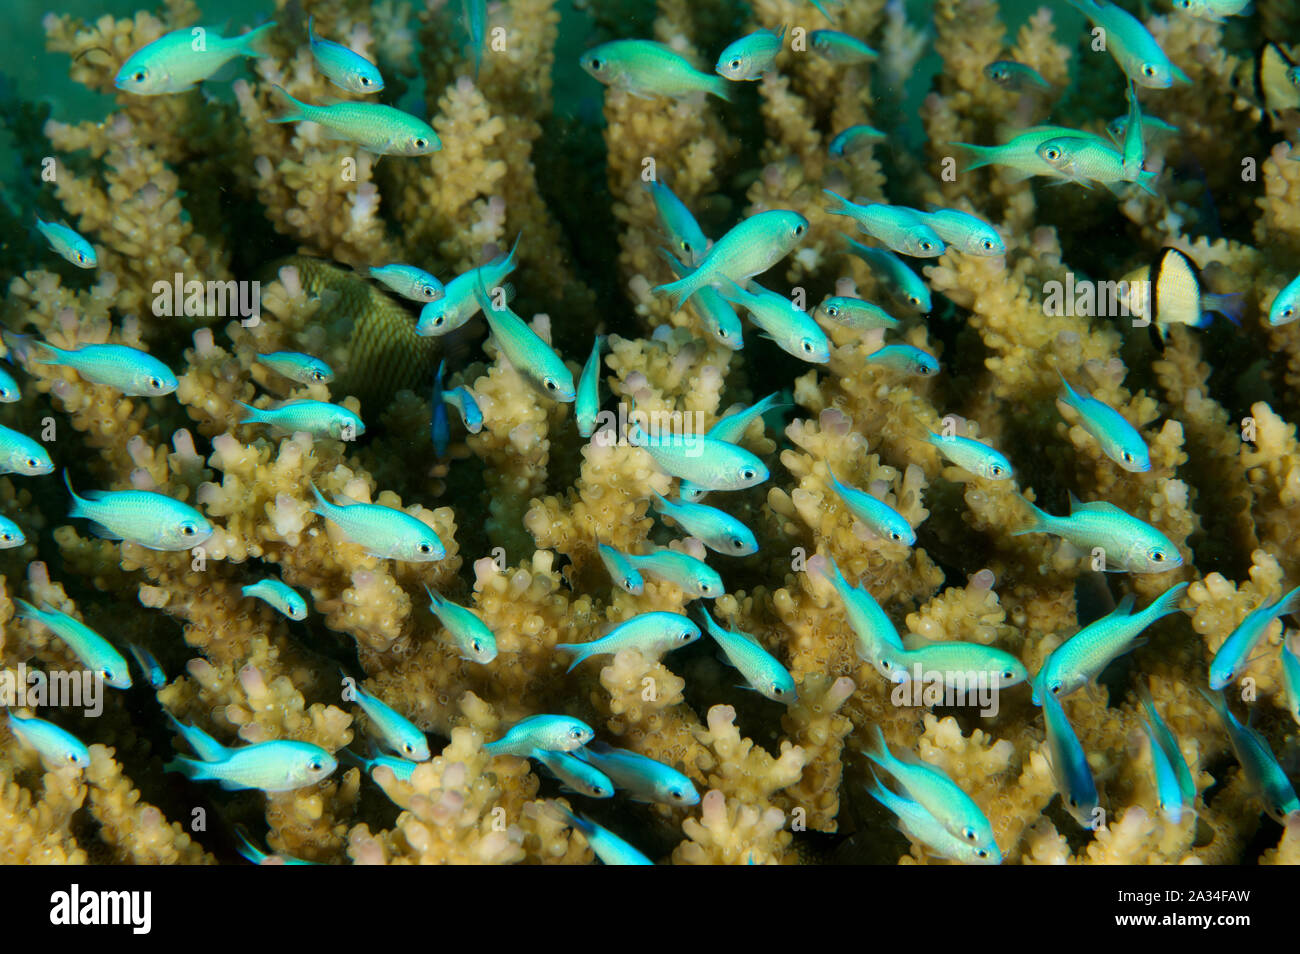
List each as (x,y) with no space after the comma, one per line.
(877,749)
(253,414)
(26,610)
(195,771)
(256,42)
(720,87)
(1071,396)
(682,289)
(1042,522)
(1229,306)
(1145,180)
(662,504)
(295,110)
(508,264)
(1289,603)
(1217,702)
(320,499)
(58,354)
(1167,602)
(579,651)
(845,207)
(78,508)
(983,155)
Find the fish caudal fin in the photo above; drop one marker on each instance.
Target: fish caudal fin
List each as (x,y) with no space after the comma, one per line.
(295,111)
(256,42)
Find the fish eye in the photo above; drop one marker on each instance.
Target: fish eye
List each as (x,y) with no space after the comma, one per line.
(107,674)
(188,529)
(576,733)
(72,758)
(677,795)
(832,311)
(550,384)
(807,346)
(421,142)
(318,376)
(1158,556)
(156,383)
(735,64)
(686,635)
(1148,69)
(1072,802)
(476,646)
(437,322)
(315,765)
(6,536)
(1053,154)
(996,470)
(365,80)
(895,536)
(737,543)
(33,463)
(1128,458)
(926,245)
(987,245)
(915,301)
(139,75)
(983,853)
(799,229)
(1008,674)
(408,748)
(1056,688)
(969,834)
(425,548)
(748,474)
(724,334)
(1288,311)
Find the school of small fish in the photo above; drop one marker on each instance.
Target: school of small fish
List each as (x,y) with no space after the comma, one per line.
(719,278)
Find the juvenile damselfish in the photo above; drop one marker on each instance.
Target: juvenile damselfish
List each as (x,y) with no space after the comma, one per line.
(149,519)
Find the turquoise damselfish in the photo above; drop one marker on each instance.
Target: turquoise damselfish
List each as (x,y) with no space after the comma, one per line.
(751,56)
(175,62)
(878,639)
(882,519)
(639,777)
(19,454)
(577,775)
(1074,779)
(1009,74)
(748,249)
(943,798)
(127,369)
(58,748)
(717,314)
(317,418)
(525,349)
(964,232)
(382,531)
(476,642)
(277,766)
(1083,656)
(850,140)
(840,47)
(651,634)
(345,68)
(1119,440)
(94,651)
(716,529)
(394,729)
(9,390)
(621,570)
(1131,44)
(377,128)
(896,226)
(68,243)
(918,823)
(462,399)
(151,520)
(1286,305)
(1234,655)
(789,326)
(972,456)
(553,733)
(460,301)
(1126,543)
(296,366)
(904,358)
(684,234)
(11,535)
(587,404)
(1175,788)
(1258,763)
(647,69)
(704,461)
(279,596)
(413,284)
(900,281)
(759,667)
(150,666)
(609,848)
(856,313)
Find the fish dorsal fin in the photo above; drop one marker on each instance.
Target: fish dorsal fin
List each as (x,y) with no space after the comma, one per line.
(1092,506)
(1125,606)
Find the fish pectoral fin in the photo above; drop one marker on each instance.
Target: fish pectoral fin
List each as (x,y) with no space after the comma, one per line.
(101,531)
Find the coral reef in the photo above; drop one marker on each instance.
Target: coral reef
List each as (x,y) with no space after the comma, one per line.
(207,189)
